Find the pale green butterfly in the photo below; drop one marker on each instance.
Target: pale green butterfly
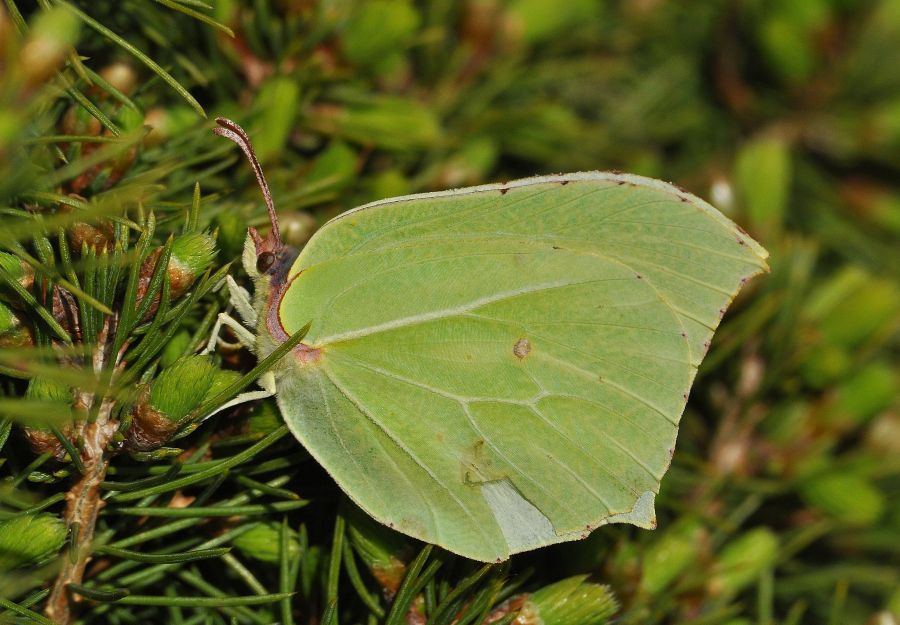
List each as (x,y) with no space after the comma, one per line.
(498,368)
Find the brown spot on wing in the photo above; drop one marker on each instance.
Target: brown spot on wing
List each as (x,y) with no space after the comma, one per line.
(522,348)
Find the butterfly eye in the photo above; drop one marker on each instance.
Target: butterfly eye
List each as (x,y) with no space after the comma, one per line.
(265,262)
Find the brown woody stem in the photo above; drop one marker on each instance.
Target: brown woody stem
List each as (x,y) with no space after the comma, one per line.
(83,502)
(83,505)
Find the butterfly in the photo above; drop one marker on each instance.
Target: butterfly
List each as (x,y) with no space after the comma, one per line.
(496,368)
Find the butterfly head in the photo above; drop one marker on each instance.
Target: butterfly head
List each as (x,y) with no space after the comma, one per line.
(262,255)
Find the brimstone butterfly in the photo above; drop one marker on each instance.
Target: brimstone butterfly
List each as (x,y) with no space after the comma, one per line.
(498,368)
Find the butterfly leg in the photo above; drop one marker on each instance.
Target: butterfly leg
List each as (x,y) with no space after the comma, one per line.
(266,381)
(240,299)
(244,336)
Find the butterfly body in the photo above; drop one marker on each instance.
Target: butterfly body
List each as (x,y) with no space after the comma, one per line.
(504,367)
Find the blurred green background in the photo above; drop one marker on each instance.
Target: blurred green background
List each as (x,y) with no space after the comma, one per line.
(783,502)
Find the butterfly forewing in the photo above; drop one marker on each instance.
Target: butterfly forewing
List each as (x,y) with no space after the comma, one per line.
(504,367)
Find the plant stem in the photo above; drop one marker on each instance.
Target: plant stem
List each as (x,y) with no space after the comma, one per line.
(83,504)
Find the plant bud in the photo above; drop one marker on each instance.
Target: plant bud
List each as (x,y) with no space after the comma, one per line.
(175,349)
(121,76)
(97,237)
(58,398)
(377,29)
(671,553)
(536,21)
(844,497)
(12,333)
(192,254)
(51,37)
(866,393)
(162,404)
(381,549)
(470,165)
(263,541)
(30,540)
(277,101)
(166,123)
(334,169)
(297,228)
(389,122)
(762,180)
(572,601)
(15,269)
(389,183)
(222,378)
(852,307)
(883,434)
(742,561)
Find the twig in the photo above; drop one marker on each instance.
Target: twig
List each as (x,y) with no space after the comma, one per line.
(83,502)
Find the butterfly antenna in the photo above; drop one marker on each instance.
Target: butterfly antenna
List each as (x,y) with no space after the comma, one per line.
(230,130)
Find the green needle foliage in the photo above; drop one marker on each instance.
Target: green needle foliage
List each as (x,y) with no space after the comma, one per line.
(121,213)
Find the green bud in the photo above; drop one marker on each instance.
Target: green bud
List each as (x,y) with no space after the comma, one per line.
(844,497)
(762,181)
(29,540)
(535,21)
(161,405)
(791,52)
(12,333)
(8,321)
(389,122)
(853,306)
(263,541)
(377,29)
(180,388)
(192,254)
(383,550)
(572,601)
(42,388)
(742,561)
(56,400)
(670,554)
(869,391)
(277,101)
(166,123)
(12,268)
(175,349)
(220,381)
(334,169)
(390,183)
(824,364)
(469,166)
(50,38)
